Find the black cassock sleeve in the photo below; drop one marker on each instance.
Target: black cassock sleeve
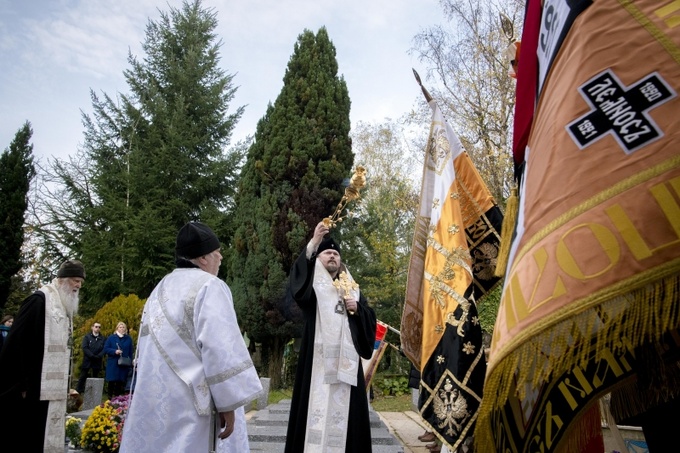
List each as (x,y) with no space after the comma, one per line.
(301,281)
(22,356)
(362,325)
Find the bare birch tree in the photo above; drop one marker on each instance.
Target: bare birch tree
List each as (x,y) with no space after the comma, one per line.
(468,75)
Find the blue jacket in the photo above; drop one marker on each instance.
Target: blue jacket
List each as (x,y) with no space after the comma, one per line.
(113,371)
(4,331)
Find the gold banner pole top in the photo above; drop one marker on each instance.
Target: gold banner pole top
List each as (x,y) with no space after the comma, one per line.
(356,183)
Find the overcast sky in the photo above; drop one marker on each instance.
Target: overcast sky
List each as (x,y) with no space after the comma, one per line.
(52,52)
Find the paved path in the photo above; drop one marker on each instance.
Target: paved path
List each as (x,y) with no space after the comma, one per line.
(406,427)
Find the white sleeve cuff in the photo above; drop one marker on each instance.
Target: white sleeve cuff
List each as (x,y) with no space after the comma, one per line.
(311,248)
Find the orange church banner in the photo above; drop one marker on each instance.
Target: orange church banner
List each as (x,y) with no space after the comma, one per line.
(452,267)
(593,277)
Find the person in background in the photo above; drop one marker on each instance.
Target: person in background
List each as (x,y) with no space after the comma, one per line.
(5,325)
(119,344)
(93,352)
(192,360)
(427,436)
(35,366)
(329,408)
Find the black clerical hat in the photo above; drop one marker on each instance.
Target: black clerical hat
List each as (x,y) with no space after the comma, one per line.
(71,268)
(328,243)
(195,239)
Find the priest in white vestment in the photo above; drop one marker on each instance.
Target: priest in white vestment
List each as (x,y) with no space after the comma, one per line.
(194,372)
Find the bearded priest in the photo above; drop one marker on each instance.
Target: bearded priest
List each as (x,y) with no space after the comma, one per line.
(34,365)
(329,408)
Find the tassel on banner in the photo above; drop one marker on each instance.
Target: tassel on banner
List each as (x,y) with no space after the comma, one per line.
(509,221)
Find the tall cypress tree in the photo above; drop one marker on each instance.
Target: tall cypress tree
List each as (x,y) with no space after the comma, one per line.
(292,178)
(16,172)
(156,157)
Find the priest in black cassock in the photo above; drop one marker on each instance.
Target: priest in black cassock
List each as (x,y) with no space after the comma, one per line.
(35,366)
(329,389)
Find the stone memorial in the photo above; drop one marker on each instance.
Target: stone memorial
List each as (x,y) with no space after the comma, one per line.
(94,389)
(263,400)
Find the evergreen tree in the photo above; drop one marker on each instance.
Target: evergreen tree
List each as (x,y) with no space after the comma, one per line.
(292,178)
(155,158)
(16,172)
(19,290)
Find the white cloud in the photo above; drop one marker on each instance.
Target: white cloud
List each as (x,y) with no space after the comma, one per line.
(55,51)
(91,38)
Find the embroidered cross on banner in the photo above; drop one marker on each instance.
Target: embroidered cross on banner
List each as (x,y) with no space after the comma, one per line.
(619,110)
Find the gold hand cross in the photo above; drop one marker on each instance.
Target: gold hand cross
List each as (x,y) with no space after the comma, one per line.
(344,284)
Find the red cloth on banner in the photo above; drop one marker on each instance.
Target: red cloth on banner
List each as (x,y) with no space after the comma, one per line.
(527,85)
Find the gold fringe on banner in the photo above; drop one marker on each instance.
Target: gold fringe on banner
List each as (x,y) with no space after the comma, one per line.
(639,310)
(509,221)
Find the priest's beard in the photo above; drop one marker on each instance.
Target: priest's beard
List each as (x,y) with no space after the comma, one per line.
(69,299)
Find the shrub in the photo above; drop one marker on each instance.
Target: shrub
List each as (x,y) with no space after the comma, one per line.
(488,309)
(394,386)
(121,308)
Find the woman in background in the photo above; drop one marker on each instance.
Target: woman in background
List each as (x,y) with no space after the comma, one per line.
(5,324)
(118,345)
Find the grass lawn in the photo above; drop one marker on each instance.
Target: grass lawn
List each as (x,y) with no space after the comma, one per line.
(392,403)
(380,403)
(277,395)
